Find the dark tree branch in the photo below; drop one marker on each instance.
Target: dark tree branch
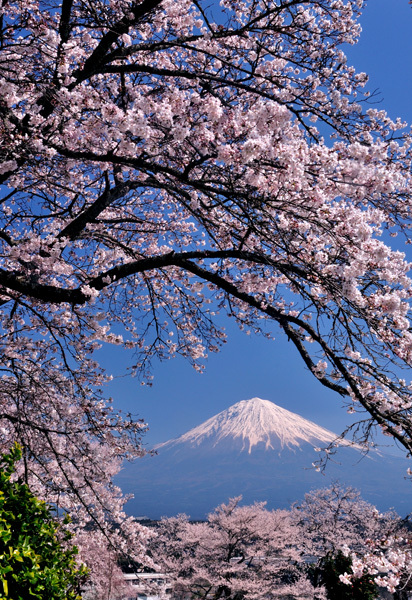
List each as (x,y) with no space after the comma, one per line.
(64,25)
(110,195)
(93,64)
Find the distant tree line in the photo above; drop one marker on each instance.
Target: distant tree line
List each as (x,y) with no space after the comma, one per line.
(332,545)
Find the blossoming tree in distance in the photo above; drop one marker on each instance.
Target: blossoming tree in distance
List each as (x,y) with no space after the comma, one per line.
(239,552)
(352,543)
(311,551)
(162,161)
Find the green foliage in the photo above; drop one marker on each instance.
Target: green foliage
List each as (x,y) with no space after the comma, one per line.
(337,564)
(33,563)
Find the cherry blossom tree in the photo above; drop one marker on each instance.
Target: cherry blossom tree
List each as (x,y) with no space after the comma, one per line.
(339,527)
(330,540)
(165,160)
(106,580)
(337,516)
(239,552)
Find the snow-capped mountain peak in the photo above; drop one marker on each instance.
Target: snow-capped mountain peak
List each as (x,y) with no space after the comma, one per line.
(255,423)
(260,451)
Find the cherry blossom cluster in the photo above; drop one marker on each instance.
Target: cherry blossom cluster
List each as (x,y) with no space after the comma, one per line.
(388,566)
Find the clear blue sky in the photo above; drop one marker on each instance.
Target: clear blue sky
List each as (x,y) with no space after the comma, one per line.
(250,366)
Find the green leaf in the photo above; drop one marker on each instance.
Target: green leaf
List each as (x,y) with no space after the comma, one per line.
(33,563)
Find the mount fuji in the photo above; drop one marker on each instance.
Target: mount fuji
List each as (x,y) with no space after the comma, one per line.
(254,424)
(260,451)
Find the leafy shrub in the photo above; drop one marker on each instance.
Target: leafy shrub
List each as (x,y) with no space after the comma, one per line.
(33,561)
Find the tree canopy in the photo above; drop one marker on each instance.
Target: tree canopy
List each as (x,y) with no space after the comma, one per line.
(239,552)
(163,161)
(249,552)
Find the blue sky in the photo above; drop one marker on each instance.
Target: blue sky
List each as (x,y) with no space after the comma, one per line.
(250,366)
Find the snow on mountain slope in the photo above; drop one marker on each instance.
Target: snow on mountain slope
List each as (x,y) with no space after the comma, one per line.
(260,451)
(255,422)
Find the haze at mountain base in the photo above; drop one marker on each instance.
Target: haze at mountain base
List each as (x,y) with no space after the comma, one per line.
(264,453)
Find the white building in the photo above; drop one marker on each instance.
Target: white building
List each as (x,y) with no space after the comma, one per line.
(149,586)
